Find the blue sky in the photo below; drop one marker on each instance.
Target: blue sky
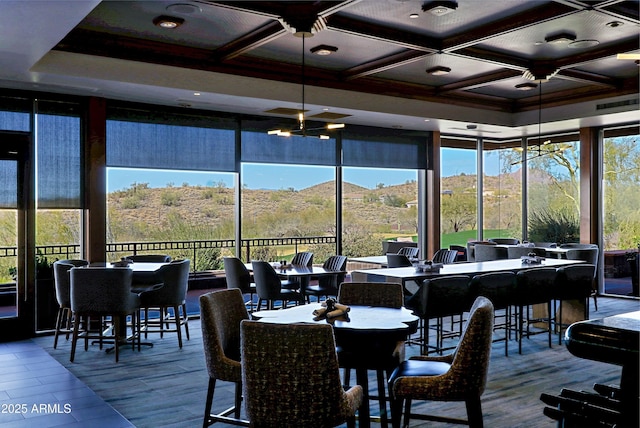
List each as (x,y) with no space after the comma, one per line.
(264,176)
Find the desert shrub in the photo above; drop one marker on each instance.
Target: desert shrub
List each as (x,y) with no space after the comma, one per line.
(558,226)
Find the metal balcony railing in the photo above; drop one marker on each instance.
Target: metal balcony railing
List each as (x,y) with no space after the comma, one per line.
(187,249)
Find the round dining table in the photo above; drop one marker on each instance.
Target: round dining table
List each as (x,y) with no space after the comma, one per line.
(366,331)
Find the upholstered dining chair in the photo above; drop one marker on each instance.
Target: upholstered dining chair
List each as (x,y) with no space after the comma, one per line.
(499,287)
(471,249)
(149,258)
(446,296)
(238,276)
(103,292)
(518,252)
(328,284)
(459,376)
(588,253)
(535,286)
(505,241)
(573,282)
(269,286)
(220,315)
(302,258)
(62,283)
(398,260)
(409,252)
(484,253)
(444,256)
(290,377)
(388,295)
(169,301)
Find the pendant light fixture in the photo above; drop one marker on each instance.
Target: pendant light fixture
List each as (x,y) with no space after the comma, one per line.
(541,148)
(302,129)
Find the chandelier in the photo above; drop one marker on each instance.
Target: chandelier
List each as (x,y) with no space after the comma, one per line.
(302,129)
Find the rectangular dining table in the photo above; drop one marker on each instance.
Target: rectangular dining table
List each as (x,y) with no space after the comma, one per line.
(304,274)
(405,274)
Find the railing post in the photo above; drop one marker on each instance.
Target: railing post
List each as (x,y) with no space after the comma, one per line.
(193,265)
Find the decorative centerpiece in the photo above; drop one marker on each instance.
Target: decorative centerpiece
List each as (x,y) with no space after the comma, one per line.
(532,259)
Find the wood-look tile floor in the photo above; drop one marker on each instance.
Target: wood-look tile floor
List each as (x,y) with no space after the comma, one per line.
(165,386)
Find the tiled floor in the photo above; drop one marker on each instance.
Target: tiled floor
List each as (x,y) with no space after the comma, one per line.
(37,391)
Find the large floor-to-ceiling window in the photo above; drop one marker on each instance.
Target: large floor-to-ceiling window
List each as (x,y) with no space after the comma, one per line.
(58,201)
(501,192)
(288,201)
(171,179)
(378,204)
(458,193)
(621,219)
(380,187)
(10,120)
(553,190)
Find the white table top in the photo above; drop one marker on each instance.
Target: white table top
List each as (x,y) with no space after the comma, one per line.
(359,317)
(299,270)
(408,273)
(136,267)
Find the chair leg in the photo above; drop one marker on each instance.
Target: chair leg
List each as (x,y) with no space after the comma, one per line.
(407,412)
(207,405)
(521,329)
(238,400)
(396,410)
(382,399)
(58,326)
(347,376)
(74,338)
(185,320)
(474,412)
(116,336)
(177,318)
(363,380)
(549,321)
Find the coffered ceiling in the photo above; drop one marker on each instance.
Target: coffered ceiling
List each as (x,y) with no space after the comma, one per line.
(247,57)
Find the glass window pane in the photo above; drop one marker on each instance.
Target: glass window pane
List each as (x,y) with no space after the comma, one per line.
(167,206)
(553,182)
(501,193)
(378,204)
(458,196)
(288,201)
(621,181)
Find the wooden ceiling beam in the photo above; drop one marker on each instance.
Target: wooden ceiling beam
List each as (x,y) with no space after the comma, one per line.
(382,64)
(479,81)
(250,41)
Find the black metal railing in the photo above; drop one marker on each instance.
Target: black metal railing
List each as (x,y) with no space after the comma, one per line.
(188,249)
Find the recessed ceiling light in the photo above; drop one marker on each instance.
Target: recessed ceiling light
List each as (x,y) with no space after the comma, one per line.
(472,126)
(414,16)
(183,8)
(560,38)
(581,44)
(526,86)
(168,22)
(197,94)
(324,50)
(614,24)
(439,71)
(439,8)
